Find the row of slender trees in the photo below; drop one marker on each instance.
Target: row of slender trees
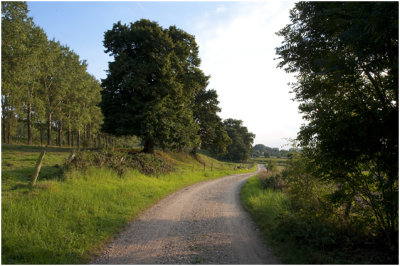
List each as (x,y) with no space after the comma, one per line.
(45,85)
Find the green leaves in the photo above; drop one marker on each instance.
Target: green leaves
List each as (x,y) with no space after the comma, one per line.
(242,141)
(346,58)
(43,81)
(151,84)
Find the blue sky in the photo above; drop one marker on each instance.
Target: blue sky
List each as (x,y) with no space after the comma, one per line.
(81,25)
(236,41)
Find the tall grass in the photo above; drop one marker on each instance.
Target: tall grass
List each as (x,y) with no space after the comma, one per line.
(297,221)
(68,219)
(265,205)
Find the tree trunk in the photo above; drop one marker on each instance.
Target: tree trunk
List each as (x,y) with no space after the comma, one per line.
(29,124)
(79,139)
(72,138)
(84,133)
(194,151)
(60,137)
(69,136)
(4,131)
(49,130)
(9,132)
(148,146)
(88,137)
(41,136)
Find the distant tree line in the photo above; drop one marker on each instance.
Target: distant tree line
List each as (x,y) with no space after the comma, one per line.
(155,93)
(260,150)
(46,90)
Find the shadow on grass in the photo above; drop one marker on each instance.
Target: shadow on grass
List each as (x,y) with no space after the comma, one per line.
(23,175)
(40,255)
(27,148)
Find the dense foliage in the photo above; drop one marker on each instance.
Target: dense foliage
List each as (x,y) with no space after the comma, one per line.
(298,218)
(151,84)
(213,135)
(345,55)
(242,141)
(45,86)
(155,93)
(156,90)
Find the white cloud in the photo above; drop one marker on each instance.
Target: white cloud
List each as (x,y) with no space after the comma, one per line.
(221,9)
(237,48)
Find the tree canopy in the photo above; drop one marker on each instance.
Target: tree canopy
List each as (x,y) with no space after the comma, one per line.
(242,141)
(44,84)
(345,55)
(155,89)
(213,135)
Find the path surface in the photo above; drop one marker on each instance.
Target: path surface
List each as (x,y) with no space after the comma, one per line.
(204,223)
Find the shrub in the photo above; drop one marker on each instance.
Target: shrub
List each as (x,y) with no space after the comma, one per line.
(120,161)
(271,180)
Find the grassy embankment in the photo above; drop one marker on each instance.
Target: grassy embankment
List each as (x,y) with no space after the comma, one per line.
(70,215)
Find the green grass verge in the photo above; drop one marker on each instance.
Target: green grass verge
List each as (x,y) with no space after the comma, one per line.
(265,205)
(68,219)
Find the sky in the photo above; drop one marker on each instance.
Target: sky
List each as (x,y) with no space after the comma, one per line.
(236,42)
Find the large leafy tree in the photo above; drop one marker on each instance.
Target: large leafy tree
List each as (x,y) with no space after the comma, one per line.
(242,141)
(150,84)
(212,132)
(345,55)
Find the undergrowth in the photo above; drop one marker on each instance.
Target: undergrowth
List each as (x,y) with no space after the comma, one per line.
(120,160)
(301,227)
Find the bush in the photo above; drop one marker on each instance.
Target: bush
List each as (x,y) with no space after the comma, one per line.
(328,218)
(120,161)
(271,180)
(310,220)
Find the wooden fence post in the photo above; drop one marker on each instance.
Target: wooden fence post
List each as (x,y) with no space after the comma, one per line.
(37,168)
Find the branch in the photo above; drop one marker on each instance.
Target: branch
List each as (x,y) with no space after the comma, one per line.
(376,87)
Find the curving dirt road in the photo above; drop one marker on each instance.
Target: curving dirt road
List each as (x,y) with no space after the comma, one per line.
(204,223)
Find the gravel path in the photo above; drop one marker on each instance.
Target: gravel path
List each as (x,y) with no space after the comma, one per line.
(204,223)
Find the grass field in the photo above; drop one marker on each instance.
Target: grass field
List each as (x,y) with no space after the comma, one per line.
(68,217)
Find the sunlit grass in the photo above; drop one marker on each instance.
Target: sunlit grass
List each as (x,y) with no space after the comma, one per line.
(265,205)
(66,220)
